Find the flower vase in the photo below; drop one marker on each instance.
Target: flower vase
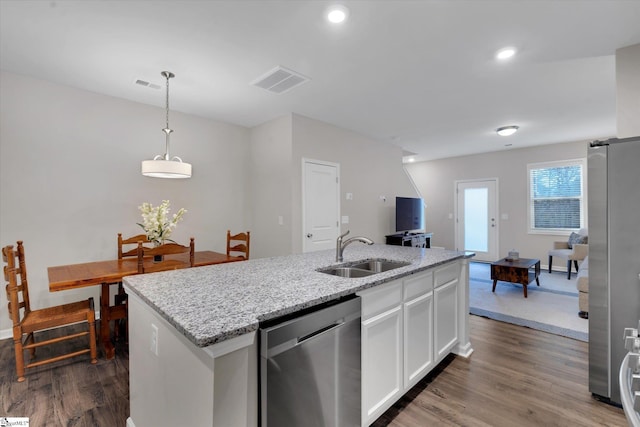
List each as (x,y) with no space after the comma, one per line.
(156,244)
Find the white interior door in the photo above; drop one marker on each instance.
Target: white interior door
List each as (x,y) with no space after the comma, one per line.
(476,221)
(320,205)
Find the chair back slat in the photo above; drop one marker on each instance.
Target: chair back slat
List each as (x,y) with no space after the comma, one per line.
(238,244)
(133,252)
(17,290)
(145,253)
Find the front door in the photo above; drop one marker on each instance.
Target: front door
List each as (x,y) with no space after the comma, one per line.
(320,205)
(476,222)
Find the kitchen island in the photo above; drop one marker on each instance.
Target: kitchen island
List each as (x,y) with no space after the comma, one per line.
(193,347)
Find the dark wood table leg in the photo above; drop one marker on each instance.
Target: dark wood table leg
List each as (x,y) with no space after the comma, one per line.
(494,285)
(524,286)
(105,317)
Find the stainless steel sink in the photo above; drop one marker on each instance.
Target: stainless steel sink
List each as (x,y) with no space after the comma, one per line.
(364,268)
(379,265)
(347,272)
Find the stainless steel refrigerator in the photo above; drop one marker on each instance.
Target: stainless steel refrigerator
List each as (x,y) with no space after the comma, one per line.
(614,258)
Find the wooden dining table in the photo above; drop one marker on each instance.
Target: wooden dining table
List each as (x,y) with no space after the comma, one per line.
(110,272)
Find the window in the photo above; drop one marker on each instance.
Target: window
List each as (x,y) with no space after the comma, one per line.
(556,202)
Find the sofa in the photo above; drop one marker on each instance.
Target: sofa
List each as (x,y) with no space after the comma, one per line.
(583,288)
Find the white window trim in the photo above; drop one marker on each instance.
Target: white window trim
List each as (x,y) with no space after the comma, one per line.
(557,163)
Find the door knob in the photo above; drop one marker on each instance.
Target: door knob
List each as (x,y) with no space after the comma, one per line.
(309,235)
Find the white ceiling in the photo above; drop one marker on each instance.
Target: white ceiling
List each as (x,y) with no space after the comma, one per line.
(417,74)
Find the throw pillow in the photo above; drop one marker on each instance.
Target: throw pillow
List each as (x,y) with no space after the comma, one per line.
(576,238)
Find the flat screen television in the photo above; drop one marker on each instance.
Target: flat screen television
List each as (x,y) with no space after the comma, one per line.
(409,214)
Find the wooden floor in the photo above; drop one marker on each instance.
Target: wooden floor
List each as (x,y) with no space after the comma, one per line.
(71,392)
(515,377)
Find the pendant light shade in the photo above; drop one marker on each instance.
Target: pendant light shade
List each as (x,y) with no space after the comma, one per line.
(166,169)
(165,166)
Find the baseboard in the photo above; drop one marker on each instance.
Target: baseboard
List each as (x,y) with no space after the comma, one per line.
(6,333)
(543,267)
(463,351)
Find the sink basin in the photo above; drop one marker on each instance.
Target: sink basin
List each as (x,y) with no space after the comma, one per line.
(379,265)
(347,272)
(364,268)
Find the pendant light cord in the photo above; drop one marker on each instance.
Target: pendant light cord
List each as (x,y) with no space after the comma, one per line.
(168,76)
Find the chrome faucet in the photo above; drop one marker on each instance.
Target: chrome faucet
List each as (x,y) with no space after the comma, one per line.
(340,245)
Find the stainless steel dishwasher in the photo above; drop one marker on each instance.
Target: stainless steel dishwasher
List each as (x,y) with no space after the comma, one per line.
(310,368)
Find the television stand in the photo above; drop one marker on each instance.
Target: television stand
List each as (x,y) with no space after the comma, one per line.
(416,240)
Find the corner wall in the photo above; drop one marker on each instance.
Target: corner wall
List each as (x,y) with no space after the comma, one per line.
(368,168)
(628,91)
(270,170)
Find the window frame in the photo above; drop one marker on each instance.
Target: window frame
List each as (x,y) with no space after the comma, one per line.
(530,205)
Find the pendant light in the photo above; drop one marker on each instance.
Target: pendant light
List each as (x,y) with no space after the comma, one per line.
(165,166)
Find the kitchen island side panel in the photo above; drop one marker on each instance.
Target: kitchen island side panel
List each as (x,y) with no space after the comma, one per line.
(178,386)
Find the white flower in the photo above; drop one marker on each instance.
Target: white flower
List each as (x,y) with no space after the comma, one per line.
(155,223)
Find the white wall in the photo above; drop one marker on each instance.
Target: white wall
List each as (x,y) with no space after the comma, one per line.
(435,182)
(271,180)
(368,168)
(70,177)
(628,91)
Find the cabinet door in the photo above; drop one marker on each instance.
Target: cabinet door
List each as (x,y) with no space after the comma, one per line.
(381,363)
(418,338)
(446,318)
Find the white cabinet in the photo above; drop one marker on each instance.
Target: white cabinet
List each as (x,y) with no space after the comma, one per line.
(408,326)
(418,327)
(382,362)
(381,349)
(397,340)
(446,309)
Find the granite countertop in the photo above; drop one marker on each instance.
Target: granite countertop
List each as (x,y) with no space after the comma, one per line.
(214,303)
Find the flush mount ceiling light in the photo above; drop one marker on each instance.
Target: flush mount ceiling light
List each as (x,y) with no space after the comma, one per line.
(337,14)
(165,166)
(507,130)
(505,53)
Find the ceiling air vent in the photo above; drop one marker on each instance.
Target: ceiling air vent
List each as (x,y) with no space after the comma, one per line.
(280,80)
(147,84)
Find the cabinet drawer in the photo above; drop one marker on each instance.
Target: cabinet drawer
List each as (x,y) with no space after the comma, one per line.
(446,274)
(381,298)
(418,284)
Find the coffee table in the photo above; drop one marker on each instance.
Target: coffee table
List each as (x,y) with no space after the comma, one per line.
(521,270)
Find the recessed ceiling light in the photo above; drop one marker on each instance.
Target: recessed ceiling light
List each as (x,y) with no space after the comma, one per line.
(505,53)
(337,14)
(507,130)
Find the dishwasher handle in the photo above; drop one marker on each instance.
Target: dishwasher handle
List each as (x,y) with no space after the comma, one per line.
(298,341)
(320,332)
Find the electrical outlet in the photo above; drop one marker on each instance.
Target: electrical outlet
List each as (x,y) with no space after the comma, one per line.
(154,339)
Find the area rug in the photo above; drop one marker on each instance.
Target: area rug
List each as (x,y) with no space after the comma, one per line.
(551,307)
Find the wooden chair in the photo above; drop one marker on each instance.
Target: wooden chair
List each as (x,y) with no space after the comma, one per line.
(33,321)
(166,263)
(238,244)
(121,296)
(120,311)
(131,241)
